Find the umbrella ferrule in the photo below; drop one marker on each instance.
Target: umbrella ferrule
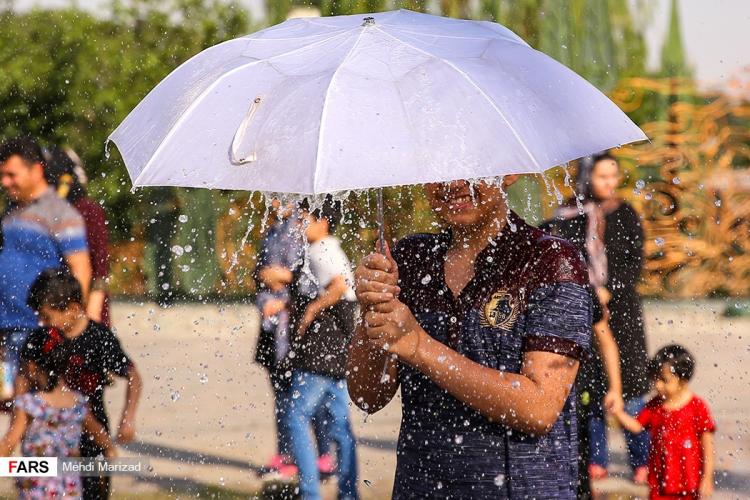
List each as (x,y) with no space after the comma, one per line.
(368,21)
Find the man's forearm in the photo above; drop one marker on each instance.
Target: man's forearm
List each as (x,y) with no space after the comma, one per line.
(79,264)
(368,387)
(530,405)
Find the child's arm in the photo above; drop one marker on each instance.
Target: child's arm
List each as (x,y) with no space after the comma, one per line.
(126,431)
(100,435)
(629,423)
(707,483)
(18,423)
(332,294)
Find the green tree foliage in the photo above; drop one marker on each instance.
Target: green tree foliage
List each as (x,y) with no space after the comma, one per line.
(69,78)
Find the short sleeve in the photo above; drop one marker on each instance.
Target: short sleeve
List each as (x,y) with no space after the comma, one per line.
(70,232)
(29,403)
(328,260)
(704,422)
(646,415)
(559,320)
(114,359)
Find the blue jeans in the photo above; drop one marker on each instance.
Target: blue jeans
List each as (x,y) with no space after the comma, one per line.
(320,422)
(310,392)
(637,443)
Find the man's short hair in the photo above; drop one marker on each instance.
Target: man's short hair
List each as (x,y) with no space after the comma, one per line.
(55,288)
(25,147)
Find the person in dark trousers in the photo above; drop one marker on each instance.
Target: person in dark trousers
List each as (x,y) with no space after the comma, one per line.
(482,327)
(609,234)
(93,356)
(320,348)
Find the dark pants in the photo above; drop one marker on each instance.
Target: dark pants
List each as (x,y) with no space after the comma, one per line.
(94,488)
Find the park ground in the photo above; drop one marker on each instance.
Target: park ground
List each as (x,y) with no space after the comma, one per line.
(205,423)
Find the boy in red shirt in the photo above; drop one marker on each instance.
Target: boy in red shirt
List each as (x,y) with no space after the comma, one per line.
(680,459)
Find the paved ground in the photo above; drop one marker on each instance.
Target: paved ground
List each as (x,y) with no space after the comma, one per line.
(205,421)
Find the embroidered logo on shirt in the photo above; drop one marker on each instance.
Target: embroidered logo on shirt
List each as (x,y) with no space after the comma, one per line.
(500,311)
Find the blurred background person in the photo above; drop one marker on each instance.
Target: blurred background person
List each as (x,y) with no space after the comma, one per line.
(284,287)
(39,231)
(608,232)
(65,172)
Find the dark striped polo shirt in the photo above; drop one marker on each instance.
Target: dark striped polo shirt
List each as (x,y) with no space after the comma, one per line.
(529,293)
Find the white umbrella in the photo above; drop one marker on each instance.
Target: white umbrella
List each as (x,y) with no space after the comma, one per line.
(320,105)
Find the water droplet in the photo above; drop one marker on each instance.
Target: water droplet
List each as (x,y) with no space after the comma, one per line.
(203,378)
(499,480)
(296,394)
(659,242)
(440,485)
(367,482)
(182,218)
(426,279)
(459,439)
(515,384)
(717,203)
(178,250)
(687,444)
(175,396)
(640,184)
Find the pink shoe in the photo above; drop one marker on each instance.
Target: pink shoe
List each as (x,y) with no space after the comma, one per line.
(287,472)
(640,475)
(278,461)
(597,472)
(326,464)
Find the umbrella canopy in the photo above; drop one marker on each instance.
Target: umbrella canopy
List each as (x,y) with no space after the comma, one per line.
(320,105)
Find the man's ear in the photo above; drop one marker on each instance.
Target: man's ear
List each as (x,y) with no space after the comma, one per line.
(509,180)
(38,170)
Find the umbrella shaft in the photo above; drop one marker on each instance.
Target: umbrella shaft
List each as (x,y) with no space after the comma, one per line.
(381,222)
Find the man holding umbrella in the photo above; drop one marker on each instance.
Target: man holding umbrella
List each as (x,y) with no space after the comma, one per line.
(488,319)
(482,326)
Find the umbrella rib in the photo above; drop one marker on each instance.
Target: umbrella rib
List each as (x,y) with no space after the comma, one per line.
(473,84)
(452,37)
(324,114)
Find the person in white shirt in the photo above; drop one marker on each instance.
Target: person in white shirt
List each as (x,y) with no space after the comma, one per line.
(319,355)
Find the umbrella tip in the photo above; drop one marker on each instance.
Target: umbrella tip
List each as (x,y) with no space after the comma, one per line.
(368,21)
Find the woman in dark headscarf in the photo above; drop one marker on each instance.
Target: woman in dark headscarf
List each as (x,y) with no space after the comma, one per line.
(608,232)
(64,171)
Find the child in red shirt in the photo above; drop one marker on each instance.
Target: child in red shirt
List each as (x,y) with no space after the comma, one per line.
(680,460)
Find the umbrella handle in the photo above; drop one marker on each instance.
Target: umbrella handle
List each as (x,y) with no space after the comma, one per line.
(234,153)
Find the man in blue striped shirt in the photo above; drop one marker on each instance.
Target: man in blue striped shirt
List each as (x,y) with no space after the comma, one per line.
(39,231)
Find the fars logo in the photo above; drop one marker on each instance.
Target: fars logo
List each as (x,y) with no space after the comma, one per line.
(28,466)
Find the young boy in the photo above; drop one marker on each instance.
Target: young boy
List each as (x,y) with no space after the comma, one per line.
(319,355)
(93,356)
(487,320)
